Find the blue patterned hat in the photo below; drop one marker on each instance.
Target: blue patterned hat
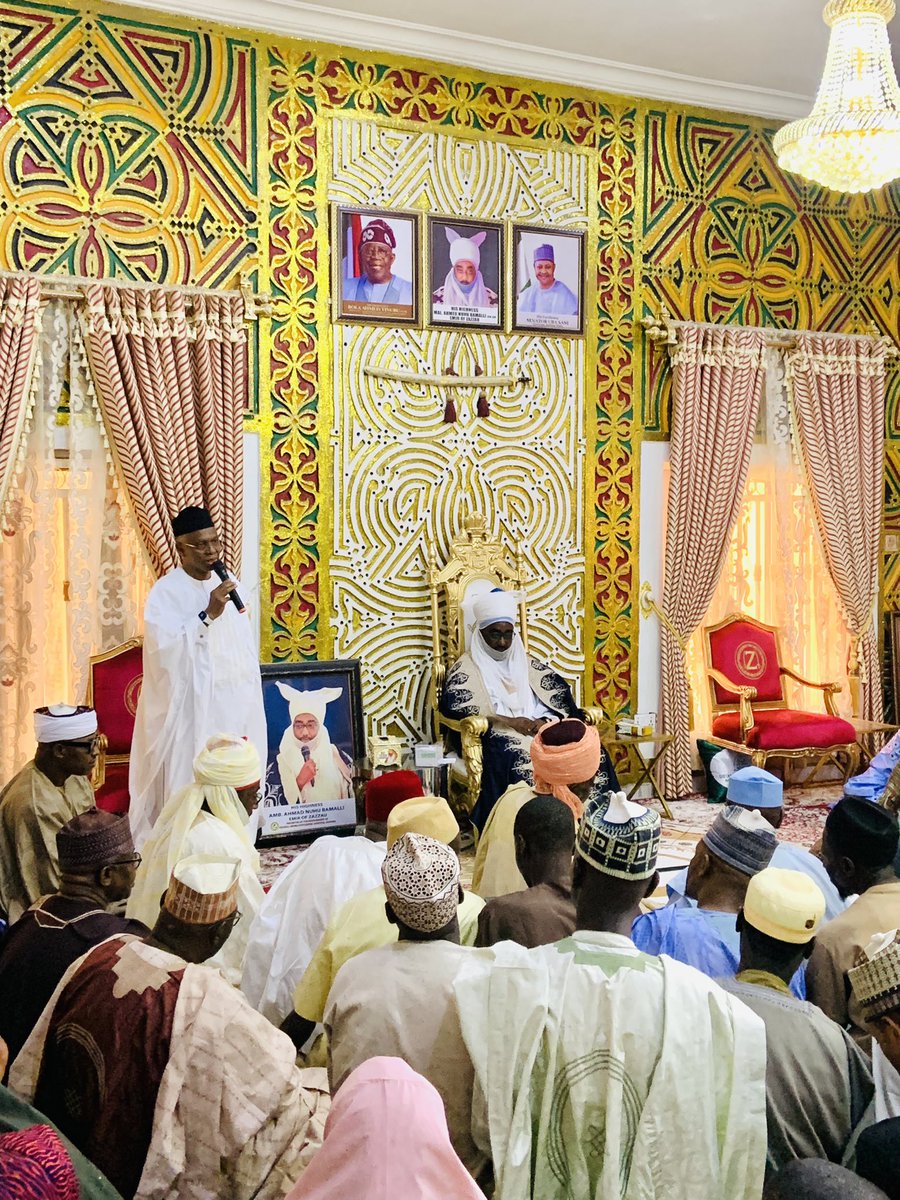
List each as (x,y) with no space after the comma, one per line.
(618,837)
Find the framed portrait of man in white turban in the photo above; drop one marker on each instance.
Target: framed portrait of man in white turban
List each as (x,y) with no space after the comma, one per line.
(375,256)
(315,739)
(465,272)
(548,280)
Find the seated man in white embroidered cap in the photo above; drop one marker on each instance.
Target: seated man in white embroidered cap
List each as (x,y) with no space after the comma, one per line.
(585,1051)
(209,817)
(754,788)
(49,791)
(497,679)
(309,766)
(160,1072)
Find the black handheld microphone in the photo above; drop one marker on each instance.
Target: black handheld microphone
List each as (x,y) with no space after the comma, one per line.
(304,750)
(219,568)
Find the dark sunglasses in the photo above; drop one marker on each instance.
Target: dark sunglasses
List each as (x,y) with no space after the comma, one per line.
(92,745)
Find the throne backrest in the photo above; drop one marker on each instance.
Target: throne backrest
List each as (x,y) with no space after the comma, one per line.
(475,564)
(114,685)
(747,652)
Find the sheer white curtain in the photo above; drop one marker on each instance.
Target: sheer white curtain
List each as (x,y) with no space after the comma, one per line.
(775,569)
(73,573)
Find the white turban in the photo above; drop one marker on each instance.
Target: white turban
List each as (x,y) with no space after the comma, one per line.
(313,702)
(465,248)
(228,761)
(491,607)
(64,723)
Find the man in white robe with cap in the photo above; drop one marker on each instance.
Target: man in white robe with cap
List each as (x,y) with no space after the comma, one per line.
(49,791)
(601,1071)
(309,766)
(201,672)
(496,678)
(464,286)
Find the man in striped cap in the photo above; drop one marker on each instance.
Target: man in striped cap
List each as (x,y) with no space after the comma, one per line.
(584,1050)
(159,1071)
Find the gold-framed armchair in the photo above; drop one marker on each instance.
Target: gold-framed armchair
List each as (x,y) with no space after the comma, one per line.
(114,685)
(475,564)
(750,710)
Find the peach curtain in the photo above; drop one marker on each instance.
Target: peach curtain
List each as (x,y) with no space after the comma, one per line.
(20,320)
(717,382)
(836,388)
(171,379)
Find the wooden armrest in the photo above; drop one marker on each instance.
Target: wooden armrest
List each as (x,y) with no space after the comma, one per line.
(830,689)
(742,690)
(593,716)
(473,727)
(98,775)
(456,726)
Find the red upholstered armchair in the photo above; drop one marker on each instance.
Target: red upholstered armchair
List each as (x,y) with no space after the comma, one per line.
(750,711)
(114,684)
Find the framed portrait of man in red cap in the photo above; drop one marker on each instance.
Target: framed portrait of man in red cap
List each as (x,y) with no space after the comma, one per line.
(548,280)
(376,266)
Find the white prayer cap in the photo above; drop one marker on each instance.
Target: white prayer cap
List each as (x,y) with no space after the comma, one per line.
(492,607)
(203,889)
(465,248)
(228,760)
(313,702)
(64,723)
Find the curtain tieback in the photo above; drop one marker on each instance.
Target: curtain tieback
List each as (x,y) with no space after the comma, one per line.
(649,605)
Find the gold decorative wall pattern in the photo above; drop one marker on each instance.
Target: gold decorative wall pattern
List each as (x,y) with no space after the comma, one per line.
(402,477)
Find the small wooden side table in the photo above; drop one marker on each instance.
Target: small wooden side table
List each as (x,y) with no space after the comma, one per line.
(646,765)
(866,729)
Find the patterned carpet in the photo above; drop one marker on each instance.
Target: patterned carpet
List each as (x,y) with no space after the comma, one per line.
(805,811)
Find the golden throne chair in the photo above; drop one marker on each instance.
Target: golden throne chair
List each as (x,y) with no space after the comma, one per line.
(114,684)
(749,707)
(474,565)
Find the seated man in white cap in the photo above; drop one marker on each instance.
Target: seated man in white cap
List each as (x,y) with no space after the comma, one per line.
(737,845)
(36,803)
(495,678)
(398,1000)
(754,788)
(602,1071)
(875,981)
(362,924)
(208,817)
(307,893)
(160,1072)
(819,1090)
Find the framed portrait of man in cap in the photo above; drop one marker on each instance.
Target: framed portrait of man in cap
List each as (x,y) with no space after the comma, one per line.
(376,266)
(315,741)
(465,273)
(548,280)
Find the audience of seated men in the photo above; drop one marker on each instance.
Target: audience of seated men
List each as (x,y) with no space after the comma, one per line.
(160,1072)
(819,1088)
(544,839)
(301,902)
(858,849)
(737,845)
(37,802)
(362,924)
(497,679)
(397,1000)
(604,1071)
(97,863)
(208,817)
(568,762)
(754,788)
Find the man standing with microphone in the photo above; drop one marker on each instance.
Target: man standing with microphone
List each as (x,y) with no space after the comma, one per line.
(201,671)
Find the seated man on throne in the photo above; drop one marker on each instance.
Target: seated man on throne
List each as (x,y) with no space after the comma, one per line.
(495,678)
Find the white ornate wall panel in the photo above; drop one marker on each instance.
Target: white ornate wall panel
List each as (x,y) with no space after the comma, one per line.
(403,477)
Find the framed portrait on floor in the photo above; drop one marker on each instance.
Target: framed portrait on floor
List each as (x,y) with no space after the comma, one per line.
(315,738)
(376,265)
(548,280)
(465,261)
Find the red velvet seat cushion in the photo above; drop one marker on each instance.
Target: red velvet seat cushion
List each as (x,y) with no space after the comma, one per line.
(786,729)
(114,795)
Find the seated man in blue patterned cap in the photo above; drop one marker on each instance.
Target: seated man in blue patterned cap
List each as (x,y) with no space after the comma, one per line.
(752,787)
(737,845)
(594,1061)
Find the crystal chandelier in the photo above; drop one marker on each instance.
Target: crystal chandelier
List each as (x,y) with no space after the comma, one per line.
(851,140)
